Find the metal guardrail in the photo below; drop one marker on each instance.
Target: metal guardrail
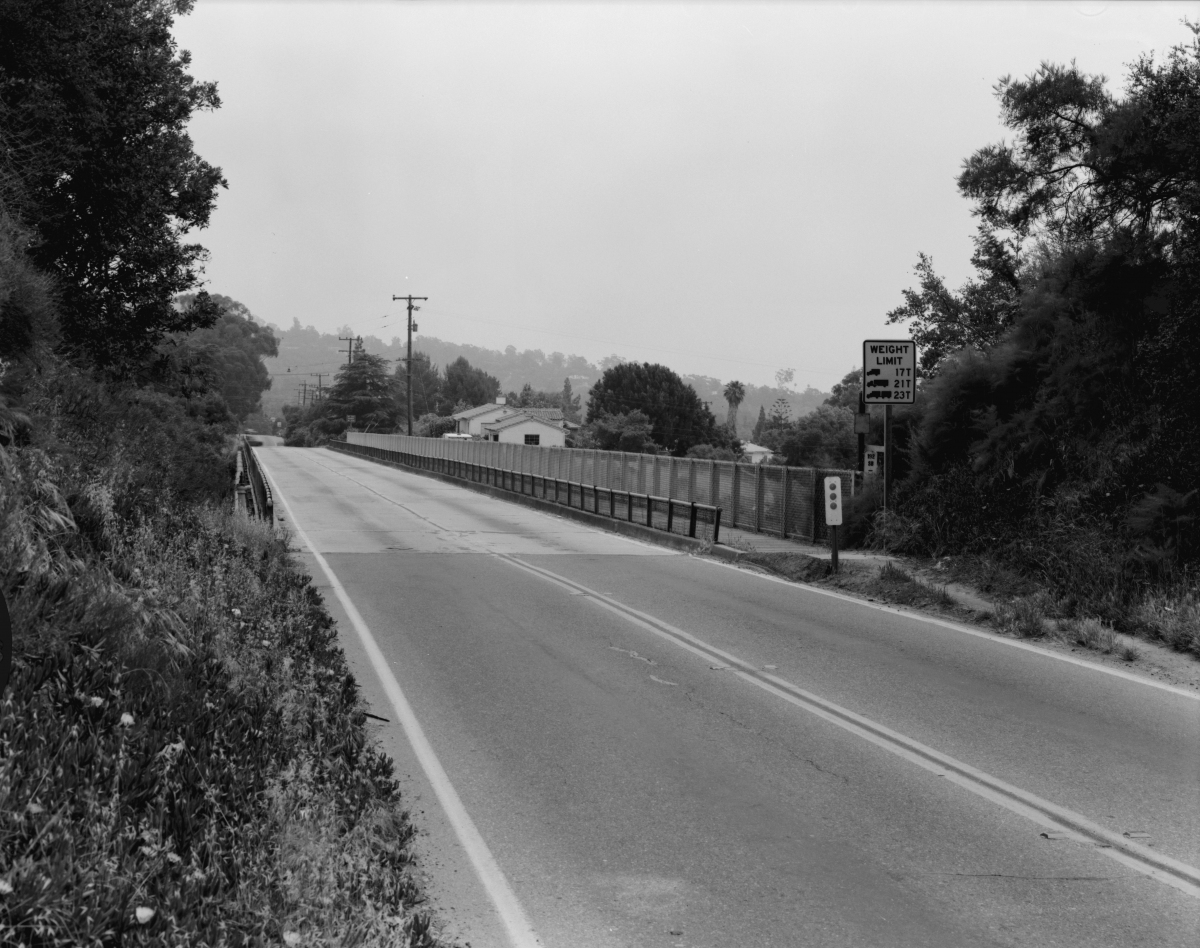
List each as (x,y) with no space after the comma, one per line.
(260,490)
(770,499)
(672,515)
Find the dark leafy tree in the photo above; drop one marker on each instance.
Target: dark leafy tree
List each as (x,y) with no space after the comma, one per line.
(1074,412)
(569,403)
(823,438)
(426,387)
(95,98)
(466,385)
(942,321)
(27,316)
(845,393)
(362,389)
(759,426)
(632,432)
(226,356)
(679,418)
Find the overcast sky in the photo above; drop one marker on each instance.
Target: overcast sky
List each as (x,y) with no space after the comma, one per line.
(729,189)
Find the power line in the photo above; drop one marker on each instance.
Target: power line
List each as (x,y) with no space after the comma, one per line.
(609,342)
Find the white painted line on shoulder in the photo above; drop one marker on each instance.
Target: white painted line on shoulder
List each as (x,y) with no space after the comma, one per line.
(964,629)
(1172,872)
(512,914)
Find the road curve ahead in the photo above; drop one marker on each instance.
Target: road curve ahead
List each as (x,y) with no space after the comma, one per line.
(654,749)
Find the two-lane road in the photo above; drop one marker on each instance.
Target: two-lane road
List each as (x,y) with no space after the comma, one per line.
(657,749)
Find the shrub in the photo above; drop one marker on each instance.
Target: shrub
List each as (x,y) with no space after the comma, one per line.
(1171,616)
(1025,617)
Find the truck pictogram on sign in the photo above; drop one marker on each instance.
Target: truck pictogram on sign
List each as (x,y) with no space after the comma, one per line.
(890,365)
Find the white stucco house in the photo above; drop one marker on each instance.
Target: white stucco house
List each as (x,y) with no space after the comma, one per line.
(471,420)
(755,453)
(522,428)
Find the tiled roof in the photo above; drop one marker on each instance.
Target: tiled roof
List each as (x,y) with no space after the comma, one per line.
(479,410)
(516,418)
(546,414)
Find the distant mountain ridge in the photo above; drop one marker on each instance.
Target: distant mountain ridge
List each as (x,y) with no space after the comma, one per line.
(307,352)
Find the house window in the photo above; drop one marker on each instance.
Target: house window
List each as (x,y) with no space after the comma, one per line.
(533,439)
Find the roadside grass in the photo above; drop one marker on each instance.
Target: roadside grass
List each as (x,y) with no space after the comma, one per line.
(183,753)
(896,586)
(1034,615)
(1171,616)
(888,583)
(1040,616)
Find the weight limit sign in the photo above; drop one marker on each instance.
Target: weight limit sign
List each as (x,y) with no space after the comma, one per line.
(889,371)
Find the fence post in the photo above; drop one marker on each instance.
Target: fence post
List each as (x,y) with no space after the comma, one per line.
(692,521)
(736,483)
(670,513)
(818,499)
(758,497)
(785,492)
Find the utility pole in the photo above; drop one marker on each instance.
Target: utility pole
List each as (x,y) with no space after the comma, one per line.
(320,376)
(408,361)
(349,341)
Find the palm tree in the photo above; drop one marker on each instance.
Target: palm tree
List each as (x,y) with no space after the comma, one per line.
(735,394)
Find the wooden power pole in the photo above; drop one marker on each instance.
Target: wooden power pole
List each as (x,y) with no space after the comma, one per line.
(408,361)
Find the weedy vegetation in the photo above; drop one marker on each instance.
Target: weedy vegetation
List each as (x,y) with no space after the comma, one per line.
(183,757)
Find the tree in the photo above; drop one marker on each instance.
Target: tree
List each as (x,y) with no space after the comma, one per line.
(569,403)
(466,384)
(845,394)
(678,416)
(823,438)
(759,425)
(94,102)
(426,387)
(362,389)
(228,354)
(1075,409)
(735,394)
(632,432)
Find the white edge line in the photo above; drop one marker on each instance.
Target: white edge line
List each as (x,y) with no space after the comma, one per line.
(955,627)
(658,548)
(1021,802)
(879,607)
(520,931)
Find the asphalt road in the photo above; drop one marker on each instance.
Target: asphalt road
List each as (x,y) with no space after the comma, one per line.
(659,749)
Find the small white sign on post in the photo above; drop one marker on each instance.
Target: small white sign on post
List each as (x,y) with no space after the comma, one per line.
(889,371)
(833,501)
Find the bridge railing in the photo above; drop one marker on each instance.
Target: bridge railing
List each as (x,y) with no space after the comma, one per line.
(770,499)
(263,502)
(671,514)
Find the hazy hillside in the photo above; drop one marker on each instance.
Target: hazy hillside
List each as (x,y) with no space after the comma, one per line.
(308,353)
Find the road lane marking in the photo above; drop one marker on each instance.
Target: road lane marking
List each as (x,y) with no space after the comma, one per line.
(516,923)
(1051,816)
(967,630)
(373,467)
(943,623)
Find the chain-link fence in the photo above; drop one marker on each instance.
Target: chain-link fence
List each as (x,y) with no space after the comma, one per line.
(782,501)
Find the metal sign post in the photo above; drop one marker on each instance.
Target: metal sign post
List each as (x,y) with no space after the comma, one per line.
(889,378)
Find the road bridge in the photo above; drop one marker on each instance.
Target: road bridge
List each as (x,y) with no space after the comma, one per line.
(609,743)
